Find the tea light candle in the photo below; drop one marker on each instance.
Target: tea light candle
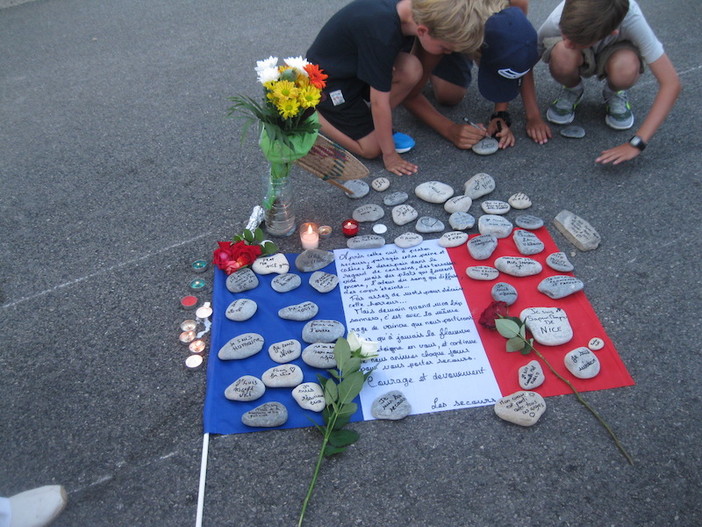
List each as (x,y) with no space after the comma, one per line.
(199,266)
(309,236)
(197,346)
(188,325)
(349,228)
(187,337)
(188,302)
(204,311)
(198,284)
(324,231)
(194,362)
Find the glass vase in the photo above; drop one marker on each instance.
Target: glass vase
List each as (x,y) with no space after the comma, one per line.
(279,212)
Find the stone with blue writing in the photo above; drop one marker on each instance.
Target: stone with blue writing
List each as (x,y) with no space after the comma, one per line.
(486,146)
(356,188)
(479,185)
(560,286)
(504,292)
(319,355)
(241,309)
(310,396)
(577,230)
(284,283)
(242,280)
(322,331)
(458,204)
(548,325)
(519,201)
(427,224)
(323,281)
(582,363)
(391,406)
(311,260)
(495,206)
(523,408)
(403,214)
(408,239)
(518,265)
(299,312)
(573,132)
(434,191)
(286,376)
(241,347)
(527,242)
(461,221)
(275,263)
(453,239)
(498,226)
(268,415)
(368,212)
(245,388)
(559,262)
(531,375)
(482,272)
(528,221)
(285,351)
(365,241)
(380,184)
(395,198)
(482,246)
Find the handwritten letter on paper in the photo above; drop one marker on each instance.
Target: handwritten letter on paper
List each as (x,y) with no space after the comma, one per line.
(410,301)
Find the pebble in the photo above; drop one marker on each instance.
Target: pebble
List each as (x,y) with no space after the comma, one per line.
(498,226)
(548,325)
(531,375)
(287,376)
(560,286)
(486,146)
(275,263)
(482,246)
(479,185)
(299,312)
(527,221)
(427,224)
(311,260)
(322,331)
(527,243)
(356,188)
(310,396)
(495,206)
(408,239)
(434,191)
(286,282)
(582,363)
(267,415)
(461,221)
(242,280)
(245,388)
(521,408)
(241,309)
(504,292)
(380,184)
(518,265)
(365,241)
(403,214)
(323,282)
(395,198)
(577,231)
(573,132)
(596,344)
(519,201)
(559,262)
(319,355)
(241,347)
(368,212)
(392,406)
(453,239)
(285,351)
(482,272)
(379,228)
(458,204)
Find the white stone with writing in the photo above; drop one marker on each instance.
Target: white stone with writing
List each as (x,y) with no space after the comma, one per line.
(486,146)
(286,282)
(522,408)
(577,231)
(531,375)
(458,204)
(560,286)
(596,344)
(495,206)
(241,347)
(365,241)
(241,280)
(498,226)
(310,396)
(427,224)
(380,184)
(286,376)
(323,281)
(479,185)
(299,312)
(518,265)
(461,221)
(482,272)
(408,239)
(527,242)
(558,261)
(548,325)
(391,406)
(311,260)
(519,201)
(319,355)
(368,212)
(582,363)
(241,309)
(268,415)
(275,263)
(356,188)
(404,214)
(433,191)
(285,351)
(395,198)
(322,331)
(482,246)
(245,388)
(504,292)
(453,239)
(527,221)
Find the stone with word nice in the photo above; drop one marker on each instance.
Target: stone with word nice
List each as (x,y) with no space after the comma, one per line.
(299,312)
(356,188)
(527,221)
(241,309)
(287,376)
(521,408)
(241,347)
(495,206)
(403,214)
(322,331)
(560,286)
(323,281)
(319,355)
(486,146)
(527,242)
(482,246)
(285,351)
(458,204)
(573,132)
(498,226)
(518,265)
(365,241)
(434,191)
(582,363)
(380,184)
(368,212)
(559,262)
(392,406)
(310,396)
(519,201)
(577,231)
(427,224)
(482,272)
(461,221)
(311,260)
(453,239)
(241,280)
(531,375)
(275,263)
(596,344)
(395,198)
(408,239)
(504,292)
(548,325)
(268,415)
(286,282)
(479,185)
(245,388)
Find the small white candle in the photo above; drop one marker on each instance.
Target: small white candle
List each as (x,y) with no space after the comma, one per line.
(309,236)
(194,362)
(197,346)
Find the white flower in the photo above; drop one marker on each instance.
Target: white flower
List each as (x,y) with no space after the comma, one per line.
(298,63)
(270,62)
(368,348)
(268,74)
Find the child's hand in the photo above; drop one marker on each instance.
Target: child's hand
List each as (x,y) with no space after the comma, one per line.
(618,154)
(538,130)
(464,136)
(394,163)
(499,129)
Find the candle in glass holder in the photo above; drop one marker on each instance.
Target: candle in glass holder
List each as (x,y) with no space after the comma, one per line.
(309,235)
(186,337)
(197,346)
(199,266)
(324,231)
(188,325)
(193,362)
(198,284)
(188,302)
(204,311)
(349,228)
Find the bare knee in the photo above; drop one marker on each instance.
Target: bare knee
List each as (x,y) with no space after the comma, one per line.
(407,71)
(447,93)
(623,69)
(564,63)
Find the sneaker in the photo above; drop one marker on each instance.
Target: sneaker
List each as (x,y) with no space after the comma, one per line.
(562,109)
(619,114)
(403,142)
(37,507)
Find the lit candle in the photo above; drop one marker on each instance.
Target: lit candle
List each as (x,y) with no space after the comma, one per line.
(324,231)
(198,284)
(204,311)
(350,228)
(199,266)
(187,337)
(309,236)
(193,362)
(197,346)
(188,325)
(188,302)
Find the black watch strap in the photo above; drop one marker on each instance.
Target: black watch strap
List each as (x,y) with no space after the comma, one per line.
(637,142)
(504,116)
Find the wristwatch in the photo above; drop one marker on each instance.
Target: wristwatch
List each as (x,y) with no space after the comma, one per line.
(504,116)
(637,142)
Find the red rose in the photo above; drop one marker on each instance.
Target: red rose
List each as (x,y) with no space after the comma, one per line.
(231,257)
(245,254)
(492,312)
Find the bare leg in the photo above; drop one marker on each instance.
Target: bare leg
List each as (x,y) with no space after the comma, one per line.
(623,69)
(447,93)
(564,65)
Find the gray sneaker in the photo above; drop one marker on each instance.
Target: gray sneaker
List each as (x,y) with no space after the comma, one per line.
(619,114)
(562,109)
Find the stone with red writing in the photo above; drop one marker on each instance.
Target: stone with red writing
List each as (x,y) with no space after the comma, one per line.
(531,375)
(523,408)
(548,325)
(245,388)
(582,363)
(391,406)
(310,396)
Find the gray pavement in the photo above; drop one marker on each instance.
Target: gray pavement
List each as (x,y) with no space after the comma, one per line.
(118,168)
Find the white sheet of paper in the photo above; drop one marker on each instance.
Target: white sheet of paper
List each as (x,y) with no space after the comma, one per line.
(410,301)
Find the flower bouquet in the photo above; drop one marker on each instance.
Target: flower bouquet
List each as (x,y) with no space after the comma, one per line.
(289,128)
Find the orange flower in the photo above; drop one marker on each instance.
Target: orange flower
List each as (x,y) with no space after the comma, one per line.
(317,76)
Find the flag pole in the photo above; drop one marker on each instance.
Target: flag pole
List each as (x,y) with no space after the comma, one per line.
(203,477)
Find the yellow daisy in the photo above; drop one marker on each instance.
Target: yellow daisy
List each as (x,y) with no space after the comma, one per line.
(309,97)
(288,108)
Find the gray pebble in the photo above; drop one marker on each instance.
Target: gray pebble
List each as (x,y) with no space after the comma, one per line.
(560,286)
(299,312)
(518,265)
(310,396)
(427,224)
(322,331)
(479,185)
(395,198)
(323,281)
(434,191)
(527,221)
(241,347)
(453,239)
(519,201)
(559,262)
(392,406)
(577,230)
(313,260)
(504,292)
(486,146)
(408,239)
(482,272)
(573,132)
(241,309)
(285,351)
(458,204)
(267,415)
(582,363)
(527,242)
(319,355)
(403,214)
(482,246)
(531,375)
(495,206)
(368,212)
(242,280)
(356,188)
(245,388)
(498,226)
(365,241)
(287,376)
(286,282)
(461,221)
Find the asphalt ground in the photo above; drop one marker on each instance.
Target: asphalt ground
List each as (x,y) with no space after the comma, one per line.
(118,168)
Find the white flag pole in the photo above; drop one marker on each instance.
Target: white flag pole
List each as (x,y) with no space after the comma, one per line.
(203,477)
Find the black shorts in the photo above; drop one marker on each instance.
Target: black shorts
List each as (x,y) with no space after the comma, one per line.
(352,117)
(455,68)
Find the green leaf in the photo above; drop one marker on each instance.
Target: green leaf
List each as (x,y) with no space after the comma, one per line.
(348,409)
(507,328)
(248,236)
(330,450)
(353,365)
(350,387)
(342,438)
(515,344)
(342,353)
(342,420)
(331,393)
(258,236)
